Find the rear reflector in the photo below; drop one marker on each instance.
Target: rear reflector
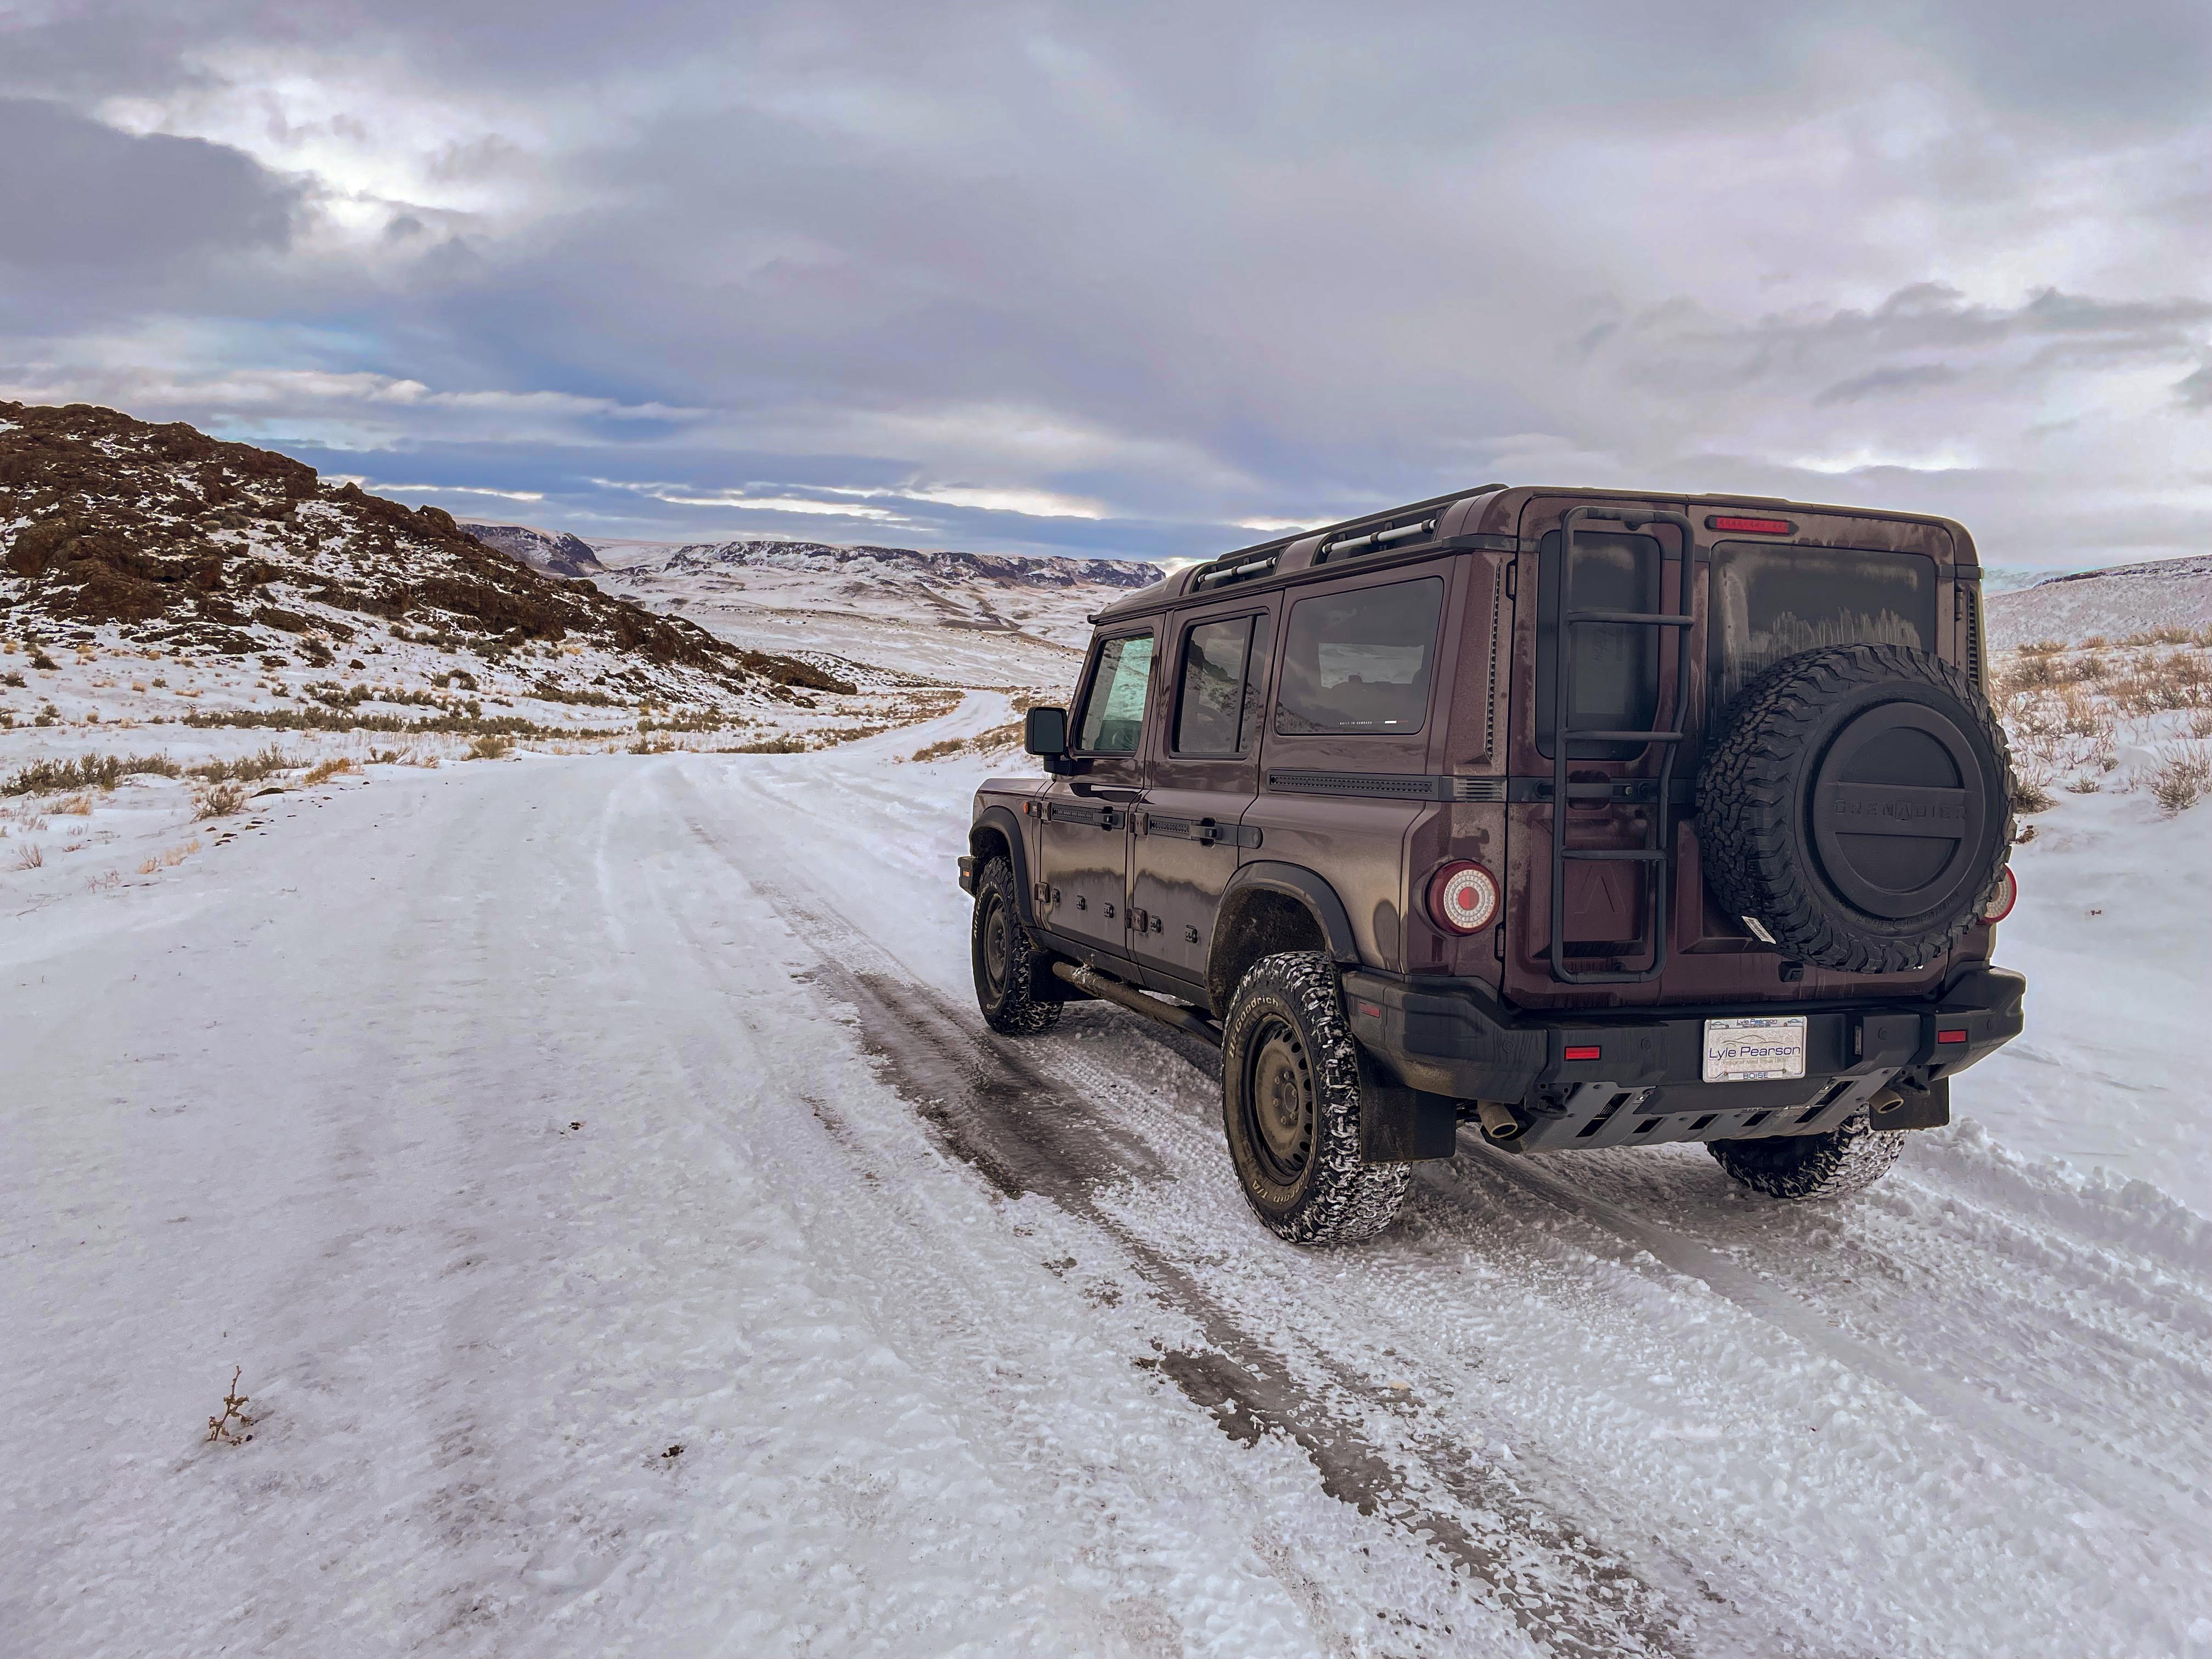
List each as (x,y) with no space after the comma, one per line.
(1583,1051)
(1752,527)
(1951,1036)
(2003,900)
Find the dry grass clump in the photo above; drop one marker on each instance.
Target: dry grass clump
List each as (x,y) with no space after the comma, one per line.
(324,771)
(492,746)
(169,858)
(86,772)
(226,1429)
(2181,679)
(2181,779)
(997,739)
(30,858)
(220,801)
(249,768)
(72,806)
(2031,792)
(758,746)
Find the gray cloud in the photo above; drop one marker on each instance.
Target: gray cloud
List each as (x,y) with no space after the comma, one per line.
(1180,267)
(75,192)
(1908,377)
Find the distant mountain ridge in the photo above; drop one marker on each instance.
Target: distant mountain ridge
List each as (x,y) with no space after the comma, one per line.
(1047,570)
(555,552)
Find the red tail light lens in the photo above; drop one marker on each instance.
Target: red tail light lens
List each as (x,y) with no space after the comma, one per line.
(1751,527)
(2000,902)
(1463,898)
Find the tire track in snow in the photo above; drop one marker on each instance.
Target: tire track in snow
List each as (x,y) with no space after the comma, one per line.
(1026,1131)
(2089,1470)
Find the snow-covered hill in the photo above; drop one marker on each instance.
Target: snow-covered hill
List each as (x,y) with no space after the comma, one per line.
(150,574)
(554,552)
(2114,603)
(966,619)
(940,568)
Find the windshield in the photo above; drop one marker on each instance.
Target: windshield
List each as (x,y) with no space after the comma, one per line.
(1773,600)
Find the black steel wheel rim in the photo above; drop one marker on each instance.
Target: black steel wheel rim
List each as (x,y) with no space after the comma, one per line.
(1279,1101)
(998,944)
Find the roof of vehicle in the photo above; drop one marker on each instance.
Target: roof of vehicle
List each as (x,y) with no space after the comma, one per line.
(1489,516)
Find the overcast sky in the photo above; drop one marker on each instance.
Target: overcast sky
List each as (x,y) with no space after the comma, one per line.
(1148,280)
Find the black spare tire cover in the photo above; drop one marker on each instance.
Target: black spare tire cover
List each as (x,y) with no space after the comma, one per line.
(1857,804)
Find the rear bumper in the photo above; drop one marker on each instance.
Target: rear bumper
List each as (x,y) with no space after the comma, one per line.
(1644,1082)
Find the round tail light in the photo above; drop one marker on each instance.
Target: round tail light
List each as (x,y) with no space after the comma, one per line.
(2002,901)
(1463,898)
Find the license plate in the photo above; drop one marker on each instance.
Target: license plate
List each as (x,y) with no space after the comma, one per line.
(1752,1050)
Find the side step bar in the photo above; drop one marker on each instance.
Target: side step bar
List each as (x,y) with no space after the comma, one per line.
(1113,990)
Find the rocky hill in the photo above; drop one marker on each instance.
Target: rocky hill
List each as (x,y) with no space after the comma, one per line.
(553,552)
(826,559)
(115,532)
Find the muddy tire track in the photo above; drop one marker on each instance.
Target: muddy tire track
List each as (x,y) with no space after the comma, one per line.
(1027,1132)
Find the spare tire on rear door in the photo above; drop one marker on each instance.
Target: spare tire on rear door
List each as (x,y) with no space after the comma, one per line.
(1855,804)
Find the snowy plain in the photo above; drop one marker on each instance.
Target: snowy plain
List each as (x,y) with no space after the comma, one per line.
(631,1242)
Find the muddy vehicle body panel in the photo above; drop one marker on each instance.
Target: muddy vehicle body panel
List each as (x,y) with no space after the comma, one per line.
(1282,749)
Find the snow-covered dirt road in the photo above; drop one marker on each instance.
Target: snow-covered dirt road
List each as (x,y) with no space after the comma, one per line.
(633,1243)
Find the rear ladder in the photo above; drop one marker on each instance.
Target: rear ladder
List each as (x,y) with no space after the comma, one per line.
(1658,851)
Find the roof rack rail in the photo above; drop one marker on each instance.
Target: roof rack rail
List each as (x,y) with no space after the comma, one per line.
(1375,539)
(1223,573)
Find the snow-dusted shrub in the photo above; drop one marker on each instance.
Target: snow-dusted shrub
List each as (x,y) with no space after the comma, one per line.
(2181,779)
(220,801)
(86,772)
(249,768)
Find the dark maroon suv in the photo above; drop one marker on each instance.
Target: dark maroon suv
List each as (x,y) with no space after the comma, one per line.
(1593,820)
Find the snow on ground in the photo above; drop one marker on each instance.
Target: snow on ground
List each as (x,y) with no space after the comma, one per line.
(632,1244)
(2110,930)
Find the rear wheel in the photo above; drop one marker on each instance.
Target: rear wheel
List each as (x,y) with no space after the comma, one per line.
(1009,970)
(1292,1097)
(1847,1159)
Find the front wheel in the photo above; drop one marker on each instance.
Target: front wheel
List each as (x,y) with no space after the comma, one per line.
(1849,1158)
(1292,1097)
(1009,970)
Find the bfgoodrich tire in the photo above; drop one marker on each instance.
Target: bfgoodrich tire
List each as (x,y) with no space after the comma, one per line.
(1847,1159)
(1291,1100)
(1011,974)
(1856,805)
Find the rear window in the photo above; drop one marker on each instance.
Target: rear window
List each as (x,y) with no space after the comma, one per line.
(1359,662)
(1772,600)
(1616,665)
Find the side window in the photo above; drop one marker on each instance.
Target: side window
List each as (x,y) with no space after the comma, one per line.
(1360,662)
(1113,711)
(1224,670)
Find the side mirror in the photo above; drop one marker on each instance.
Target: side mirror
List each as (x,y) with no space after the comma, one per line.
(1044,732)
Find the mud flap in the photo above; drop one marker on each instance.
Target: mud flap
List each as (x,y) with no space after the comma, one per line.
(1905,1107)
(1399,1124)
